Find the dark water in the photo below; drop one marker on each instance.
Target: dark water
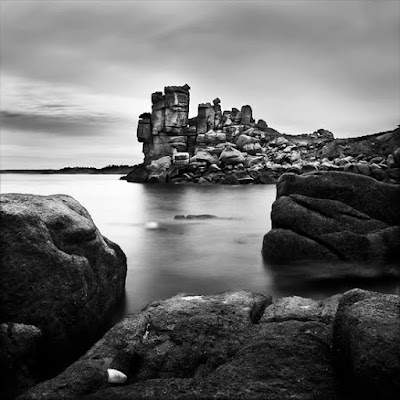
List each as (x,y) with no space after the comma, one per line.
(167,256)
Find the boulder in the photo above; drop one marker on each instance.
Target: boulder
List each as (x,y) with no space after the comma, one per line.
(315,218)
(262,125)
(203,347)
(377,172)
(376,199)
(307,168)
(366,344)
(19,355)
(231,156)
(161,163)
(58,273)
(230,180)
(243,139)
(245,179)
(158,176)
(301,309)
(267,178)
(205,156)
(139,174)
(396,157)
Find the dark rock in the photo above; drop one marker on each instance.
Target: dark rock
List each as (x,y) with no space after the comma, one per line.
(378,200)
(231,156)
(376,160)
(394,173)
(139,174)
(245,180)
(261,124)
(207,347)
(267,178)
(230,180)
(200,216)
(396,157)
(58,273)
(366,344)
(302,309)
(243,139)
(377,172)
(283,246)
(325,223)
(324,134)
(158,176)
(307,168)
(247,115)
(205,118)
(19,345)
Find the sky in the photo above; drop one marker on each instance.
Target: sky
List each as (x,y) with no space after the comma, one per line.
(75,75)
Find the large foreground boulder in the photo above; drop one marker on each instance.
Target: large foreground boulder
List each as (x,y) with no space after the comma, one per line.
(60,278)
(241,345)
(335,217)
(366,344)
(203,347)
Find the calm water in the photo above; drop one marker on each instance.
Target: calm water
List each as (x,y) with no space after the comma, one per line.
(205,256)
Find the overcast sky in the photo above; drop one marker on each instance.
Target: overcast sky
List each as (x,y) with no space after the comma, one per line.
(75,75)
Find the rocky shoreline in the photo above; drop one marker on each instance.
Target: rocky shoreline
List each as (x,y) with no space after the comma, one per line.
(230,147)
(243,345)
(61,280)
(336,217)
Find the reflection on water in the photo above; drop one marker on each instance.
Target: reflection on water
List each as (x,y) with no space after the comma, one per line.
(167,256)
(319,280)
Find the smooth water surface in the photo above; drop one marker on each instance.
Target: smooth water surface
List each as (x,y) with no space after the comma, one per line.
(167,256)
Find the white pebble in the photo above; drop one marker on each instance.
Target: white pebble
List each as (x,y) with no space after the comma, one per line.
(115,376)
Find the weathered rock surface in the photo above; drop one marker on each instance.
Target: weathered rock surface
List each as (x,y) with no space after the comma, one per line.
(378,200)
(19,351)
(336,217)
(205,347)
(238,345)
(366,344)
(58,273)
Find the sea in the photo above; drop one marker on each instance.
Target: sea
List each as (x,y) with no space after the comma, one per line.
(167,256)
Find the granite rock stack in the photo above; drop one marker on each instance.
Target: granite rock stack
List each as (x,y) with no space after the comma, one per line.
(230,147)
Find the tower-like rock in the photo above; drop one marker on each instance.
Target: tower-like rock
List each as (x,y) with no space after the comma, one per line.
(164,131)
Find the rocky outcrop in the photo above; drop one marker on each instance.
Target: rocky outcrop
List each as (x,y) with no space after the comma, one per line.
(335,217)
(19,358)
(204,347)
(248,152)
(60,280)
(366,344)
(235,345)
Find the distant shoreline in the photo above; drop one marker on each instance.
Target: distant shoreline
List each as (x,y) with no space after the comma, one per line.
(123,169)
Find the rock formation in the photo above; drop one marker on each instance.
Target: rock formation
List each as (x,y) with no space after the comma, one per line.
(60,282)
(336,217)
(366,344)
(245,151)
(241,345)
(164,131)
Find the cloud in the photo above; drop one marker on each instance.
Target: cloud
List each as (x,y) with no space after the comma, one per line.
(301,64)
(54,124)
